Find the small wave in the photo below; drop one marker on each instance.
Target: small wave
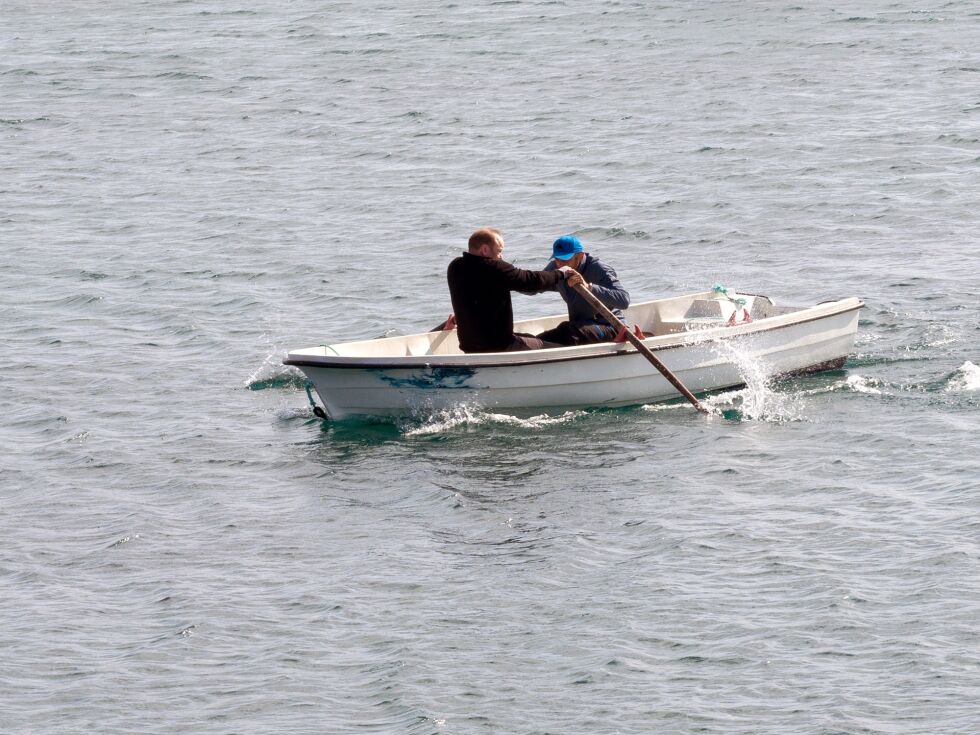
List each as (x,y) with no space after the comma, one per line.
(467,415)
(611,233)
(941,335)
(226,12)
(861,384)
(965,378)
(21,120)
(872,360)
(958,139)
(936,335)
(289,413)
(655,407)
(124,540)
(852,383)
(182,75)
(81,299)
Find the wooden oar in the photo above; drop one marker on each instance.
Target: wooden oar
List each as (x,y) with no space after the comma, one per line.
(586,294)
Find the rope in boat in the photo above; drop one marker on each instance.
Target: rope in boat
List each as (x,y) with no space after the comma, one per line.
(739,302)
(317,411)
(722,291)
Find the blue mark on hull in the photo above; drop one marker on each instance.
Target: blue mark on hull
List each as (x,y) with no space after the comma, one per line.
(430,378)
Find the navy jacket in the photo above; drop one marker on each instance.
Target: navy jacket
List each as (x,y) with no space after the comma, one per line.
(605,286)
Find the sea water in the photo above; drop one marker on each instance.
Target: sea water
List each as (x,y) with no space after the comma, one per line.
(188,189)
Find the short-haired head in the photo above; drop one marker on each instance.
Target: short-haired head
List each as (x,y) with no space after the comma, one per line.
(484,236)
(487,241)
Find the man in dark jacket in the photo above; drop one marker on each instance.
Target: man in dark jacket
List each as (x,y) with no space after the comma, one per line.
(584,326)
(480,282)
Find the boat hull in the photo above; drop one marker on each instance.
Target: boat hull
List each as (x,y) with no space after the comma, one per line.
(602,375)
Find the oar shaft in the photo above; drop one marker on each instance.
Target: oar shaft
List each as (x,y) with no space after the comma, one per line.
(586,294)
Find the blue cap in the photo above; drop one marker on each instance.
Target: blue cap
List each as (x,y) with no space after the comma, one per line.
(565,247)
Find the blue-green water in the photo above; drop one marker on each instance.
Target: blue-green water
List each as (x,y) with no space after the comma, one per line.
(190,189)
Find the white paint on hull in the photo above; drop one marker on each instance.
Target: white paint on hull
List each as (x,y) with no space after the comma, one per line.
(388,382)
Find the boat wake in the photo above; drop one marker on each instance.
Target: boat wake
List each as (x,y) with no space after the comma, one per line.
(470,416)
(761,400)
(965,379)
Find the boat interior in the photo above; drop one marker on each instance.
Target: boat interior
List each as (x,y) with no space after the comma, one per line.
(655,318)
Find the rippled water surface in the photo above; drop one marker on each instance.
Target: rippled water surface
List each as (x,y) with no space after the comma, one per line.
(189,189)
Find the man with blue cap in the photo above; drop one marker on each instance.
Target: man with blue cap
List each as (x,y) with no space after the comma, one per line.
(584,326)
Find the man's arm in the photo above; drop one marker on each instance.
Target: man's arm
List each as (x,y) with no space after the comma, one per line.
(529,282)
(608,289)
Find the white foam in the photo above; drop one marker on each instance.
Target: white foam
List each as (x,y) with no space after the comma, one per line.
(287,412)
(861,384)
(939,335)
(965,378)
(464,414)
(664,406)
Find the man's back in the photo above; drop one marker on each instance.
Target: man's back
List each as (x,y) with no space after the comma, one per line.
(480,289)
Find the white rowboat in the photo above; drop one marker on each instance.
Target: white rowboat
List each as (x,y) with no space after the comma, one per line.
(704,339)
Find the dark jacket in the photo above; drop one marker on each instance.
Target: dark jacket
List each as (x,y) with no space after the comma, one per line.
(480,288)
(605,286)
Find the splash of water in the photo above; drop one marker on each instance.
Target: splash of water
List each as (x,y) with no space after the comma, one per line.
(965,378)
(272,373)
(278,377)
(757,401)
(471,415)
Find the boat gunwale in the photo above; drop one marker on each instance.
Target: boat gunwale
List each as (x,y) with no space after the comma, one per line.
(348,362)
